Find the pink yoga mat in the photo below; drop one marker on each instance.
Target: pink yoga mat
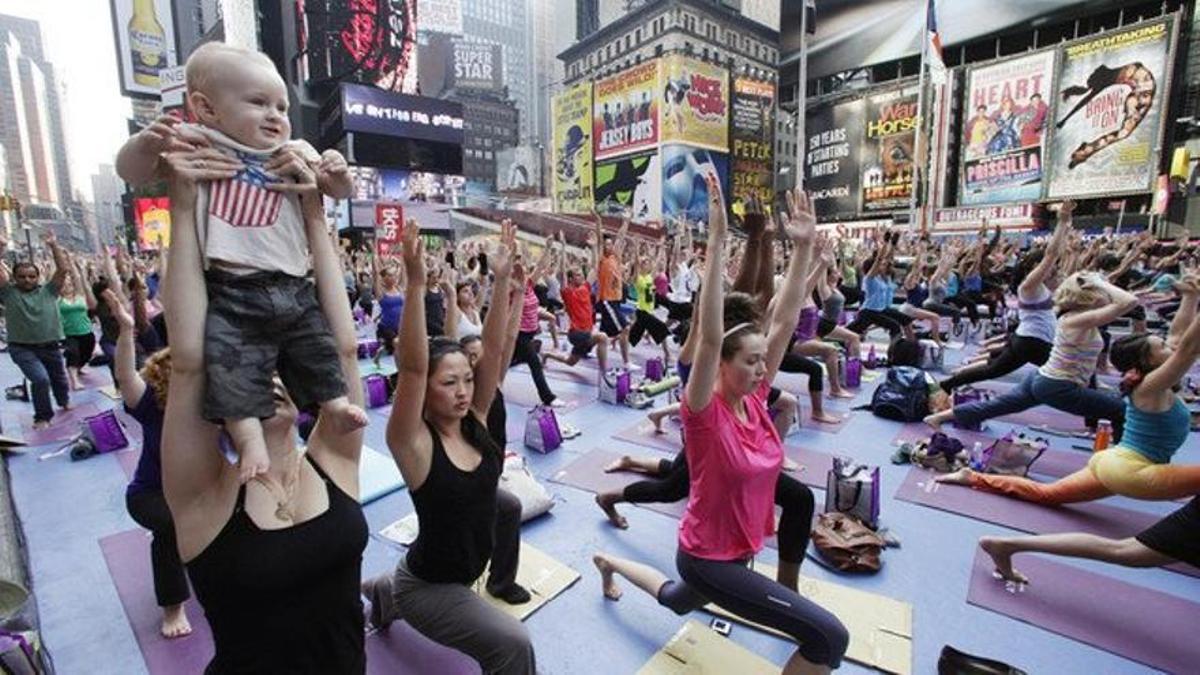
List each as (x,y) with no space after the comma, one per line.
(1144,625)
(519,390)
(1092,517)
(587,473)
(399,650)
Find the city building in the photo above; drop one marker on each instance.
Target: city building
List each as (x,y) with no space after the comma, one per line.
(547,69)
(107,189)
(507,23)
(490,124)
(786,137)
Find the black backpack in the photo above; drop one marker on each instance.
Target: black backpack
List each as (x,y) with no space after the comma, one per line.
(903,396)
(904,352)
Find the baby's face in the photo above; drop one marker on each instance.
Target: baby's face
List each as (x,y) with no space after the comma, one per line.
(250,106)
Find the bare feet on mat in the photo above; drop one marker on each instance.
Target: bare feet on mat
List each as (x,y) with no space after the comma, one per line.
(622,463)
(936,420)
(960,477)
(607,503)
(1001,556)
(790,465)
(656,417)
(611,590)
(343,416)
(841,393)
(826,418)
(175,622)
(38,425)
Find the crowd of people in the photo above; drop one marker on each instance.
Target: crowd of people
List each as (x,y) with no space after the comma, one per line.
(260,303)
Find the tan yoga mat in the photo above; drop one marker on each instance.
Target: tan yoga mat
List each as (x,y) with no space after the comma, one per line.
(698,650)
(880,627)
(544,577)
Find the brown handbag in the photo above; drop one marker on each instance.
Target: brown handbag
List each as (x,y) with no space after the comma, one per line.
(846,544)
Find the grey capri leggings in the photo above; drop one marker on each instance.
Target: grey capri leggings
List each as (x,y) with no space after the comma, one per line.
(737,588)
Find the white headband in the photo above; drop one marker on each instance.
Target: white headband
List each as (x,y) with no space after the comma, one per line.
(735,329)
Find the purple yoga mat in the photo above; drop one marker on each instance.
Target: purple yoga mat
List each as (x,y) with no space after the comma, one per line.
(519,390)
(63,427)
(587,473)
(128,558)
(642,433)
(128,459)
(401,650)
(94,378)
(1144,625)
(1092,518)
(1052,464)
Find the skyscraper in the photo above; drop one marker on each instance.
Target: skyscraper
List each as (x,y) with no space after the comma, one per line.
(107,189)
(506,23)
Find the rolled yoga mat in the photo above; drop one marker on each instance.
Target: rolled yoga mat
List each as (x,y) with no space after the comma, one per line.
(1095,518)
(1140,624)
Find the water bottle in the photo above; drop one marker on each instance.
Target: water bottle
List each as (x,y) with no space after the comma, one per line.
(976,458)
(1103,436)
(872,360)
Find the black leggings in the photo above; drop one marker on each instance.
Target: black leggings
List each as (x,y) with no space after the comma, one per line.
(644,322)
(888,319)
(965,303)
(794,363)
(1019,351)
(149,509)
(738,589)
(796,499)
(79,349)
(525,353)
(943,309)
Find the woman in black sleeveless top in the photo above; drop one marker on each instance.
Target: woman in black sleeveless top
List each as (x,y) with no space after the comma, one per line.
(439,439)
(276,562)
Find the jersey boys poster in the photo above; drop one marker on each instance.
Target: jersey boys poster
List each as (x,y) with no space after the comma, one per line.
(834,138)
(1006,111)
(1109,114)
(886,160)
(625,113)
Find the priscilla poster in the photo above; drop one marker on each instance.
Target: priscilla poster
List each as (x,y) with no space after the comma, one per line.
(1007,111)
(1108,116)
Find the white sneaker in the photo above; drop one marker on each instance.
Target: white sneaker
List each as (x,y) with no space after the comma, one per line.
(568,431)
(632,367)
(558,403)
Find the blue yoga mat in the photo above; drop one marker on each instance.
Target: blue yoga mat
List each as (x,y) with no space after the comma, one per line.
(378,476)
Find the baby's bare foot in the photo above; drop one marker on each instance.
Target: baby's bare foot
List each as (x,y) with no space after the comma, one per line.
(343,416)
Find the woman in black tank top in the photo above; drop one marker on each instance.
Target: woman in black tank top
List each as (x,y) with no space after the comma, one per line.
(439,438)
(276,562)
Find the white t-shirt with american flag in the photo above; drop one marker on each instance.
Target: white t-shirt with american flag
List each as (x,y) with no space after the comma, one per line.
(241,223)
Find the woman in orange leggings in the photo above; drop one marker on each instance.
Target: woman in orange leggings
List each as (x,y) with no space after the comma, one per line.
(1156,425)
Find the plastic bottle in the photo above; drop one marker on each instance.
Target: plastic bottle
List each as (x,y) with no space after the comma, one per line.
(872,360)
(977,456)
(1103,436)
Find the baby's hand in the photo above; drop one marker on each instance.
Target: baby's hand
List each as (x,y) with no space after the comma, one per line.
(333,175)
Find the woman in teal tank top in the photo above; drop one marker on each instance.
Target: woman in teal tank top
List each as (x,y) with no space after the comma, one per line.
(75,302)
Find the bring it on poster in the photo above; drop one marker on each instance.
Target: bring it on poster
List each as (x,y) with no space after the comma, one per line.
(887,150)
(1007,109)
(1109,112)
(572,116)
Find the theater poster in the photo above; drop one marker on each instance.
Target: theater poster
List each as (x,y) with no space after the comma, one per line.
(1108,116)
(1007,110)
(684,186)
(752,142)
(152,218)
(572,152)
(834,138)
(625,111)
(695,103)
(886,159)
(630,187)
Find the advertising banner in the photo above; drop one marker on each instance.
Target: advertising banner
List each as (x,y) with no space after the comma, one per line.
(695,107)
(477,66)
(886,157)
(684,190)
(571,114)
(440,16)
(834,138)
(630,186)
(374,111)
(519,170)
(389,227)
(144,35)
(753,130)
(152,218)
(1108,114)
(366,41)
(1006,109)
(625,111)
(966,219)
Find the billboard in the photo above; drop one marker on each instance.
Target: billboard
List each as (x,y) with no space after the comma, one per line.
(389,228)
(1006,110)
(684,191)
(625,111)
(834,140)
(477,65)
(519,170)
(440,16)
(152,219)
(364,41)
(571,114)
(695,103)
(144,34)
(630,186)
(1112,90)
(752,146)
(374,111)
(886,155)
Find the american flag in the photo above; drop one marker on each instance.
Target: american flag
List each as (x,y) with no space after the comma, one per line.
(937,64)
(244,200)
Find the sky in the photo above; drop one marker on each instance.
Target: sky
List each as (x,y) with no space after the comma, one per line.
(78,39)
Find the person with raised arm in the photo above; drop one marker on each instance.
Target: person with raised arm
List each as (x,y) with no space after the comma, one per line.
(735,458)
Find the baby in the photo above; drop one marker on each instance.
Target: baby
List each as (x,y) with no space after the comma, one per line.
(263,314)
